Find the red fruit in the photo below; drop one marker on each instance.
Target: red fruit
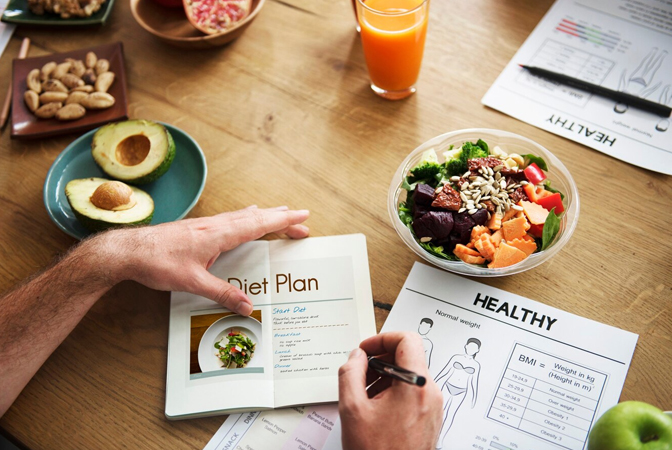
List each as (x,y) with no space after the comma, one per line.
(215,16)
(170,3)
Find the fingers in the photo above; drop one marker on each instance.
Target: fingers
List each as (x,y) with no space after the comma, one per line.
(405,346)
(255,223)
(229,296)
(297,231)
(352,380)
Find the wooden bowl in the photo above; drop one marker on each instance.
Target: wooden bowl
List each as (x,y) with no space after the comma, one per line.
(172,26)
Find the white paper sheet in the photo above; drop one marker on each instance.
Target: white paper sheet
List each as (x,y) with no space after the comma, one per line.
(6,29)
(515,373)
(623,45)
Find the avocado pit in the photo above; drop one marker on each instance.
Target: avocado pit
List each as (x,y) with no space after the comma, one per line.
(133,150)
(113,196)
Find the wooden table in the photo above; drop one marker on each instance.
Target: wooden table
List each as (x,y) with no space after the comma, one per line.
(285,116)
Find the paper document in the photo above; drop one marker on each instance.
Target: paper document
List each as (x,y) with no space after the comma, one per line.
(514,373)
(6,29)
(312,306)
(623,45)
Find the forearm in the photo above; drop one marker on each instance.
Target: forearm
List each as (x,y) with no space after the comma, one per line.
(38,315)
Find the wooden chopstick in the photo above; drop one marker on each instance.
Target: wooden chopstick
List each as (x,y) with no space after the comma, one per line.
(4,115)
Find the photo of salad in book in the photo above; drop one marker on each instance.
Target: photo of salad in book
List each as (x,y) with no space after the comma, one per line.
(237,351)
(312,305)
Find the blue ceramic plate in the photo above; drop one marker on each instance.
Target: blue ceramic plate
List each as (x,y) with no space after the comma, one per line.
(17,11)
(174,194)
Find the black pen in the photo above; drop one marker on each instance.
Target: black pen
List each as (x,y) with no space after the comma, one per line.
(621,97)
(396,372)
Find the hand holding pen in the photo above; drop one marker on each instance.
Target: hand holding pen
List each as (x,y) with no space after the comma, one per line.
(391,414)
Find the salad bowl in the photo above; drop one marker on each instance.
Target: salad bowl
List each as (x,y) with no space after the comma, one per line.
(557,174)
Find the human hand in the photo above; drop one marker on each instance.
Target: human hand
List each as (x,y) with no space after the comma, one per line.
(392,414)
(175,256)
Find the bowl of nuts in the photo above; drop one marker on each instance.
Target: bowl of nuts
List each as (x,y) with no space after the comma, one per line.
(483,202)
(68,92)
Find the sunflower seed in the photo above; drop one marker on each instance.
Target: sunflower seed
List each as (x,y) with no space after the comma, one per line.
(472,211)
(523,183)
(461,210)
(517,208)
(425,239)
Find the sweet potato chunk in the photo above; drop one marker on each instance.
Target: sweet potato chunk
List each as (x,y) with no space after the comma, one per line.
(477,231)
(506,255)
(536,214)
(497,237)
(463,249)
(514,228)
(526,246)
(485,246)
(495,222)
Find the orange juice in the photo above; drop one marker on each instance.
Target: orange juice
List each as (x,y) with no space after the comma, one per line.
(393,37)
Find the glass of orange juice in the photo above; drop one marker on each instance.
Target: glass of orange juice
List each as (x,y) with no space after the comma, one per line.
(393,37)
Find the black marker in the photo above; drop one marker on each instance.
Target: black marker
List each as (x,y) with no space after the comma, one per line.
(621,97)
(396,372)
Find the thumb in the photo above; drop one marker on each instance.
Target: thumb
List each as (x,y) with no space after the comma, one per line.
(223,293)
(352,382)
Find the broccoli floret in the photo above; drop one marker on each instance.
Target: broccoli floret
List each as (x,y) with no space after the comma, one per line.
(455,167)
(472,151)
(428,167)
(458,164)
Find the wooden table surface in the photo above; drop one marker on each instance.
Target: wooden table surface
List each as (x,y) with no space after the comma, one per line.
(285,116)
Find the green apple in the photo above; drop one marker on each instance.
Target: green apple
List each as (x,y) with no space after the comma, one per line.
(632,426)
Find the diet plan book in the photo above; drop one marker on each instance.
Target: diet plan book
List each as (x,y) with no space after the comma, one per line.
(312,306)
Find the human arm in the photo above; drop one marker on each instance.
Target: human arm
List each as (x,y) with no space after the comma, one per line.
(473,385)
(39,314)
(447,370)
(401,416)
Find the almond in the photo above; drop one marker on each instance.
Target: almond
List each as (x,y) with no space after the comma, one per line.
(47,69)
(71,80)
(72,111)
(98,100)
(33,80)
(32,100)
(104,81)
(48,111)
(53,97)
(54,85)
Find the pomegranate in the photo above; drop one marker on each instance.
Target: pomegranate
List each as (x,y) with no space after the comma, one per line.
(215,16)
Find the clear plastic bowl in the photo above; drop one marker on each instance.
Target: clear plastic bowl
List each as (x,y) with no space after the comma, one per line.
(511,143)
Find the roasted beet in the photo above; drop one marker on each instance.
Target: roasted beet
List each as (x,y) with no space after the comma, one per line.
(480,217)
(423,195)
(462,223)
(434,224)
(419,211)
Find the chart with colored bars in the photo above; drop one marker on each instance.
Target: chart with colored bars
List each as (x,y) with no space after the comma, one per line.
(569,60)
(547,397)
(588,33)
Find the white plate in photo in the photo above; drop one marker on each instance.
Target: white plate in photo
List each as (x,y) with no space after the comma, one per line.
(207,353)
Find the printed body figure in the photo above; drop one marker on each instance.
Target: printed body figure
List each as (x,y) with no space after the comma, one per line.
(460,380)
(423,329)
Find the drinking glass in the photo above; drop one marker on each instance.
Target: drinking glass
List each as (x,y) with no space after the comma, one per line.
(393,36)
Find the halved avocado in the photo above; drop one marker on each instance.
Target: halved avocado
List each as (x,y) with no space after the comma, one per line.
(134,151)
(100,204)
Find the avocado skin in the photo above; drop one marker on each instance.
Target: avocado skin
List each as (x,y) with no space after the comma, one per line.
(100,225)
(163,168)
(156,173)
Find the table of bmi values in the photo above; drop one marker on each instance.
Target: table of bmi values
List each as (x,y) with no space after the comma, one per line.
(547,397)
